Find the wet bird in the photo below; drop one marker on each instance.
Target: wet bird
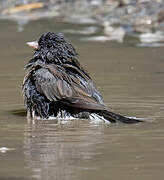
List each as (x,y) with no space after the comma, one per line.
(57,86)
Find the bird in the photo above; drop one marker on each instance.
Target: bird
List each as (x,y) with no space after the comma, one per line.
(57,86)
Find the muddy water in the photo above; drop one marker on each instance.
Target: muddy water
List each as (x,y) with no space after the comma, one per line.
(131,81)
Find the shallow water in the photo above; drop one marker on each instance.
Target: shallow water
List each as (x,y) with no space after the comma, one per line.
(131,81)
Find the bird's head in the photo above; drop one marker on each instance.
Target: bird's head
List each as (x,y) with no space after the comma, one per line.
(53,48)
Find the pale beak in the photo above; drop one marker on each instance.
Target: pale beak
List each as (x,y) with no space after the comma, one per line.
(33,44)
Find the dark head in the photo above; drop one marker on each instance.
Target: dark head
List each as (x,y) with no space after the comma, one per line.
(53,48)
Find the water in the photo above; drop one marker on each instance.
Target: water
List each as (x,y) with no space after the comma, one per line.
(131,81)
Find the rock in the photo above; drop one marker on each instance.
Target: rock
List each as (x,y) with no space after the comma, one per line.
(114,33)
(158,36)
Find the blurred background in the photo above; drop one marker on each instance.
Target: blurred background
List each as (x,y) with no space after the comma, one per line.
(120,42)
(112,19)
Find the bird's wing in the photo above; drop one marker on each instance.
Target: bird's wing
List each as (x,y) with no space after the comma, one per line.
(68,85)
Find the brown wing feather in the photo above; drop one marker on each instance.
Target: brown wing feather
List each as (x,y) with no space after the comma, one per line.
(54,82)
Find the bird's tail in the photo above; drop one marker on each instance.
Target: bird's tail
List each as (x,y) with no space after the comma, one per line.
(113,117)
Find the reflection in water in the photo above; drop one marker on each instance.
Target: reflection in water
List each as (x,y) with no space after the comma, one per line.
(59,151)
(18,112)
